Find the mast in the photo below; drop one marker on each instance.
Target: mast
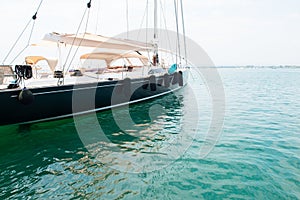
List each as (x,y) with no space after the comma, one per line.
(155,37)
(183,29)
(155,19)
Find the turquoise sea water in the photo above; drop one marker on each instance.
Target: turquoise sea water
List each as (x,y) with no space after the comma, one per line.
(257,155)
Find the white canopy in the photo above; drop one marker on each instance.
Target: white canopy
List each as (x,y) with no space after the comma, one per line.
(109,57)
(97,41)
(33,60)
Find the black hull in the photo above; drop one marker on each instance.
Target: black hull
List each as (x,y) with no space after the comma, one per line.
(52,103)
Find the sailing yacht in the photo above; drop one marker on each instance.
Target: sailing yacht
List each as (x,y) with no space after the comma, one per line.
(116,72)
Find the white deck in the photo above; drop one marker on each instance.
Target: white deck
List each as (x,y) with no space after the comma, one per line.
(88,77)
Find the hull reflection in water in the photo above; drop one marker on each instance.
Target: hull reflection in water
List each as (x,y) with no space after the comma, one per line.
(142,137)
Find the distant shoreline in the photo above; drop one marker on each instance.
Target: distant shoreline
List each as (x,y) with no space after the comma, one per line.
(259,67)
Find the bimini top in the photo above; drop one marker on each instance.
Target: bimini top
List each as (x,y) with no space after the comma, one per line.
(33,60)
(97,41)
(109,57)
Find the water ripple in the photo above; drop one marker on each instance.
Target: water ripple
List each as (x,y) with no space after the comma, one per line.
(257,156)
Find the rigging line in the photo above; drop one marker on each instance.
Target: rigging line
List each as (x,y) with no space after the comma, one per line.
(73,42)
(86,26)
(145,12)
(183,29)
(29,39)
(147,21)
(28,44)
(89,4)
(97,20)
(165,21)
(177,29)
(39,6)
(14,45)
(127,21)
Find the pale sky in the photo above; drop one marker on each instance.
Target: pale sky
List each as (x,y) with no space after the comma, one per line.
(232,32)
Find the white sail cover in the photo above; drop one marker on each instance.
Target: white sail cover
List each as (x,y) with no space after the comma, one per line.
(96,41)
